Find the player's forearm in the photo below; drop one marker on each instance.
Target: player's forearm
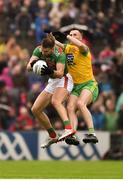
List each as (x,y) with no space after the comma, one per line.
(78,43)
(59,44)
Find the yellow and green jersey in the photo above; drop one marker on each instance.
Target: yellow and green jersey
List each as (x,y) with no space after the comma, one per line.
(79,64)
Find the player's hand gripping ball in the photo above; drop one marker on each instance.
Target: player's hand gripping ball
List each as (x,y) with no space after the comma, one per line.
(37,67)
(46,70)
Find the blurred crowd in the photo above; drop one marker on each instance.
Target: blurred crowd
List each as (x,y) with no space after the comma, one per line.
(23,23)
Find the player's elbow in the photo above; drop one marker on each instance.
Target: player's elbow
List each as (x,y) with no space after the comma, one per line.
(59,74)
(29,67)
(83,48)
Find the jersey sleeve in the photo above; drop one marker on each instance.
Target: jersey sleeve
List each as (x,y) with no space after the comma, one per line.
(61,58)
(36,52)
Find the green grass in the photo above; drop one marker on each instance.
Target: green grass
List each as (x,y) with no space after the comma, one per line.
(61,169)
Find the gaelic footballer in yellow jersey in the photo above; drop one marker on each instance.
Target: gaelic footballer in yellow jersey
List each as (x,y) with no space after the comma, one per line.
(85,89)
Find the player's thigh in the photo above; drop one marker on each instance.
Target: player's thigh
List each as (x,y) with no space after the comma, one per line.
(60,94)
(72,103)
(66,82)
(86,96)
(42,100)
(89,93)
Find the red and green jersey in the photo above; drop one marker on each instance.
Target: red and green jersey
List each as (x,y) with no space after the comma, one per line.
(56,57)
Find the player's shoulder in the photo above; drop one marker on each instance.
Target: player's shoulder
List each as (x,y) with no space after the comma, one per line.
(37,49)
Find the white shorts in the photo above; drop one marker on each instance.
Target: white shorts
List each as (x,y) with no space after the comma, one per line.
(65,82)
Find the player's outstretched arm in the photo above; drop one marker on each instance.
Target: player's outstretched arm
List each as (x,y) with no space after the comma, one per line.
(59,35)
(59,44)
(78,43)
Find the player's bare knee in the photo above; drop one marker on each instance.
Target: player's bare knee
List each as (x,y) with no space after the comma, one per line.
(55,102)
(80,104)
(70,108)
(34,109)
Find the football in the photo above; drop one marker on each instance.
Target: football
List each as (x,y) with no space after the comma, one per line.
(37,66)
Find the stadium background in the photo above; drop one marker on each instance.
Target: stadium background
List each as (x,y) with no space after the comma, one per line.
(22,26)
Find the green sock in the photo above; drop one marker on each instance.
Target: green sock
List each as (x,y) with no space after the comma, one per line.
(52,132)
(91,131)
(67,124)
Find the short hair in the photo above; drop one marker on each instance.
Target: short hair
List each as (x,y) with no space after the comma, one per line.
(48,42)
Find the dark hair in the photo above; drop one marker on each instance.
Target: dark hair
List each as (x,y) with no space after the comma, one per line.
(48,42)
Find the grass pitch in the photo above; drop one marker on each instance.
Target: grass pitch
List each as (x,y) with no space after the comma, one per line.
(62,169)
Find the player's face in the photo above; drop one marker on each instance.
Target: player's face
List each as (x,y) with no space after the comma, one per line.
(47,51)
(76,34)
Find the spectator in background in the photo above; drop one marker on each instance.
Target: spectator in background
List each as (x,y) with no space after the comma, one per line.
(73,11)
(111,117)
(3,57)
(13,49)
(24,120)
(41,24)
(5,76)
(19,77)
(97,111)
(6,105)
(85,15)
(23,23)
(66,18)
(110,25)
(33,78)
(13,8)
(33,93)
(105,85)
(55,16)
(120,119)
(116,73)
(20,85)
(32,7)
(44,5)
(24,56)
(113,29)
(28,5)
(85,9)
(106,54)
(100,24)
(119,102)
